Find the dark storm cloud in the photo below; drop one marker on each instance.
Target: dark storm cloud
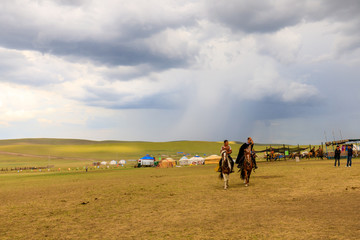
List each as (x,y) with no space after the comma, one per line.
(114,54)
(270,108)
(253,16)
(124,40)
(346,10)
(114,74)
(270,16)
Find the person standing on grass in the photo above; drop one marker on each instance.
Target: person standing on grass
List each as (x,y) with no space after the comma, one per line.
(337,155)
(349,158)
(228,150)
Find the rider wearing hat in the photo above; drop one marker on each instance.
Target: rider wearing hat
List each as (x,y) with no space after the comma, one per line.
(240,157)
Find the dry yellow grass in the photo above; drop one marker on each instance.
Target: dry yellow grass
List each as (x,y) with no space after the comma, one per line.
(285,200)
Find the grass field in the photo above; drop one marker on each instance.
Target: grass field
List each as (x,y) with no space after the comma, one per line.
(64,153)
(285,200)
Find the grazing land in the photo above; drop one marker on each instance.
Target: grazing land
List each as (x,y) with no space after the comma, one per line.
(309,199)
(77,153)
(73,153)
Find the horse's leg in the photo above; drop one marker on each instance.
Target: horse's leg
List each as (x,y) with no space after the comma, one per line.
(246,178)
(244,174)
(227,180)
(225,177)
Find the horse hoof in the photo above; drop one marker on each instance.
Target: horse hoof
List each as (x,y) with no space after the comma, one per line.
(246,185)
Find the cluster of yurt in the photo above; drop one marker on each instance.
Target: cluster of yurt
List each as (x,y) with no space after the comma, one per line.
(169,162)
(113,162)
(196,160)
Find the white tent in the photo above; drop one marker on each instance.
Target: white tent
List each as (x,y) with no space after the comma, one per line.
(113,162)
(184,161)
(197,160)
(103,163)
(122,162)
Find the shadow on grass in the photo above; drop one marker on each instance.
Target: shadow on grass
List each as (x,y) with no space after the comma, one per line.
(237,183)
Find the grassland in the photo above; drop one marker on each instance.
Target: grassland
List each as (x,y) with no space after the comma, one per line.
(309,199)
(285,200)
(63,153)
(106,150)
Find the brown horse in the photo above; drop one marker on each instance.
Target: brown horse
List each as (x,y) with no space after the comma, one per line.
(247,166)
(226,168)
(319,153)
(312,153)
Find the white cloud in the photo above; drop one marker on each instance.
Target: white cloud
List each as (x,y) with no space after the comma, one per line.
(21,103)
(283,45)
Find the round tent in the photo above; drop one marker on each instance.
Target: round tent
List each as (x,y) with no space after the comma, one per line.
(166,163)
(197,160)
(184,161)
(212,159)
(113,162)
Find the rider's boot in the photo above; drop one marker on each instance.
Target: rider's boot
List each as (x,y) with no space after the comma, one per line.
(255,165)
(219,169)
(239,165)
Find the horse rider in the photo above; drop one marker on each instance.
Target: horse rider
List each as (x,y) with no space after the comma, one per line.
(228,150)
(240,157)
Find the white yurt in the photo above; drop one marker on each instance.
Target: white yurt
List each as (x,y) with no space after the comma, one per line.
(197,160)
(184,161)
(113,162)
(103,163)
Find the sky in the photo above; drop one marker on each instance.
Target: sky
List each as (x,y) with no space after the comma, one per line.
(280,71)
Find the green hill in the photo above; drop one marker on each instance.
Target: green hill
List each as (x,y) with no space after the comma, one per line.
(78,152)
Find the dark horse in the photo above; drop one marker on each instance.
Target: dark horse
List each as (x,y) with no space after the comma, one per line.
(247,166)
(226,168)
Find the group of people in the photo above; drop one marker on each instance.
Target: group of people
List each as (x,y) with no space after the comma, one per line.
(250,142)
(338,153)
(240,156)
